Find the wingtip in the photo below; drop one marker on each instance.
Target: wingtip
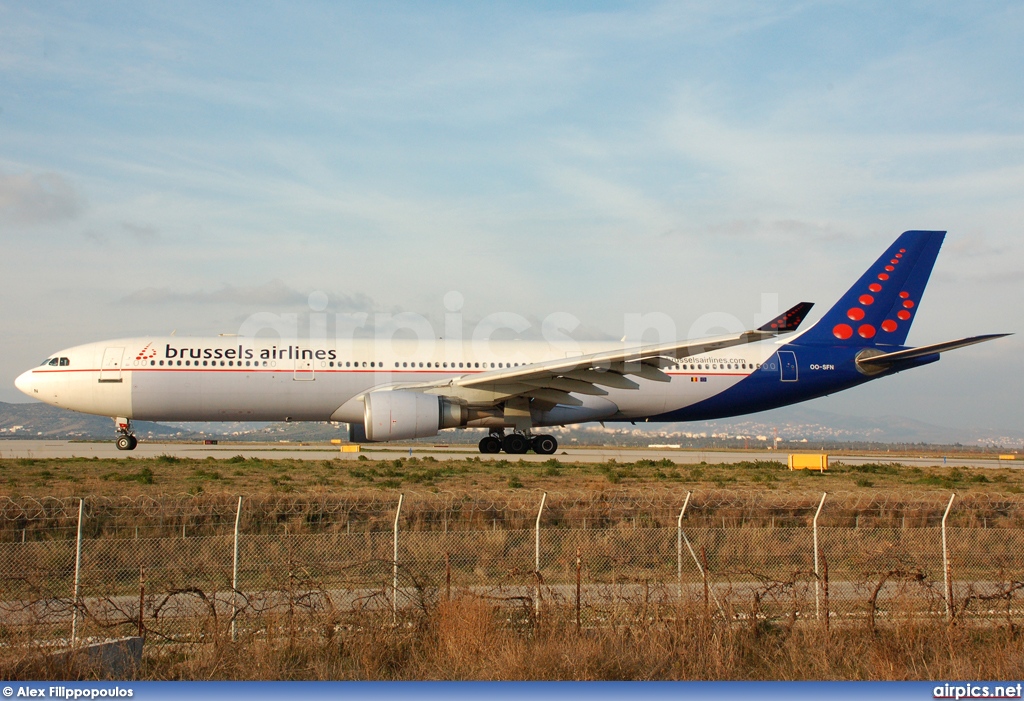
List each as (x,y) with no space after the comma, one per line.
(789,320)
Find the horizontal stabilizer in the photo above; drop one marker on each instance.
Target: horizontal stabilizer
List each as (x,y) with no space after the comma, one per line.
(911,353)
(789,320)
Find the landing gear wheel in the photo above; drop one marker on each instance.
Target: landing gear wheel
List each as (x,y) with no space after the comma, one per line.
(126,442)
(490,444)
(545,445)
(515,444)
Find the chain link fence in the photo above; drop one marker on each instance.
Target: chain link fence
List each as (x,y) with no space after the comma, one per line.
(181,567)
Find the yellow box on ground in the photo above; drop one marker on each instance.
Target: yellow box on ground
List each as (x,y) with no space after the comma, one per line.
(1008,457)
(353,448)
(803,461)
(335,441)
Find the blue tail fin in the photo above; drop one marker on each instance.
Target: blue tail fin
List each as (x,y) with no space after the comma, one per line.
(880,307)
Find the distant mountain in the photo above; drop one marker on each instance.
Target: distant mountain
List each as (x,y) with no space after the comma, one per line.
(38,420)
(800,422)
(797,423)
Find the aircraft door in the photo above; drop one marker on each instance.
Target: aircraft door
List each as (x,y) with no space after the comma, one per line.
(788,367)
(303,369)
(110,368)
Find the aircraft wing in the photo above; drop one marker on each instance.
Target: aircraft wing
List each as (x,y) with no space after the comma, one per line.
(552,381)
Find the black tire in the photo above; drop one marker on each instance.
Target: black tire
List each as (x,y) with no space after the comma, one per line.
(490,444)
(545,445)
(515,444)
(124,443)
(134,442)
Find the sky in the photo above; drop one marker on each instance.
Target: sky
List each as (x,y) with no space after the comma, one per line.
(183,166)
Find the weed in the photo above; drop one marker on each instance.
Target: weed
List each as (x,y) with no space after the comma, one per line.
(202,473)
(514,482)
(143,476)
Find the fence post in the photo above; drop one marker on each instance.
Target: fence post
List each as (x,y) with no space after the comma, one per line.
(702,569)
(579,570)
(234,574)
(817,573)
(536,554)
(142,601)
(394,594)
(679,545)
(78,569)
(945,562)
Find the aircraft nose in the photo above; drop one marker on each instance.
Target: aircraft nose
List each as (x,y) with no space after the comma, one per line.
(24,382)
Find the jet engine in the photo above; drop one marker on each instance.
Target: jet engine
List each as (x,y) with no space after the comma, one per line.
(401,414)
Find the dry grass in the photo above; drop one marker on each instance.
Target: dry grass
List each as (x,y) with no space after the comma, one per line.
(288,529)
(233,475)
(472,638)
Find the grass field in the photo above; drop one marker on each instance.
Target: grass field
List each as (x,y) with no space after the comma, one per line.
(177,514)
(237,475)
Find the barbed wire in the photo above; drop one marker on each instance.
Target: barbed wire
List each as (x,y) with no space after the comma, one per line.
(510,508)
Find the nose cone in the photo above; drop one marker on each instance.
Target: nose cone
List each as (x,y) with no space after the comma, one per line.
(24,383)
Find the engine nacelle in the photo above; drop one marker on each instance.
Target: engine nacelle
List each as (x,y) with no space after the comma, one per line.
(401,414)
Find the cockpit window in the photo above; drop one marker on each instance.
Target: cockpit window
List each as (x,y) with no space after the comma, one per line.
(45,361)
(53,362)
(64,362)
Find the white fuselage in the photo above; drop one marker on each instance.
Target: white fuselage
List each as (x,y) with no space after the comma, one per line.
(245,379)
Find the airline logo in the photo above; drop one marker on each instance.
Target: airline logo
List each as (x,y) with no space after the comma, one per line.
(147,353)
(856,314)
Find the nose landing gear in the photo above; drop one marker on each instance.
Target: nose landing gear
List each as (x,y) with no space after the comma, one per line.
(126,440)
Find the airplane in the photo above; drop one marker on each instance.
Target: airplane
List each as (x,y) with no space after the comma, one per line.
(399,390)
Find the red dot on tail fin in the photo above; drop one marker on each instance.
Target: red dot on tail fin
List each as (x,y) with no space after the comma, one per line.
(842,331)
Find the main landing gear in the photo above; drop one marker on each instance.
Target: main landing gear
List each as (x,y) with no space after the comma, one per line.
(126,440)
(518,444)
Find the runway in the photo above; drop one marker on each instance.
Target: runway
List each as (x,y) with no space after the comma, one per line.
(49,449)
